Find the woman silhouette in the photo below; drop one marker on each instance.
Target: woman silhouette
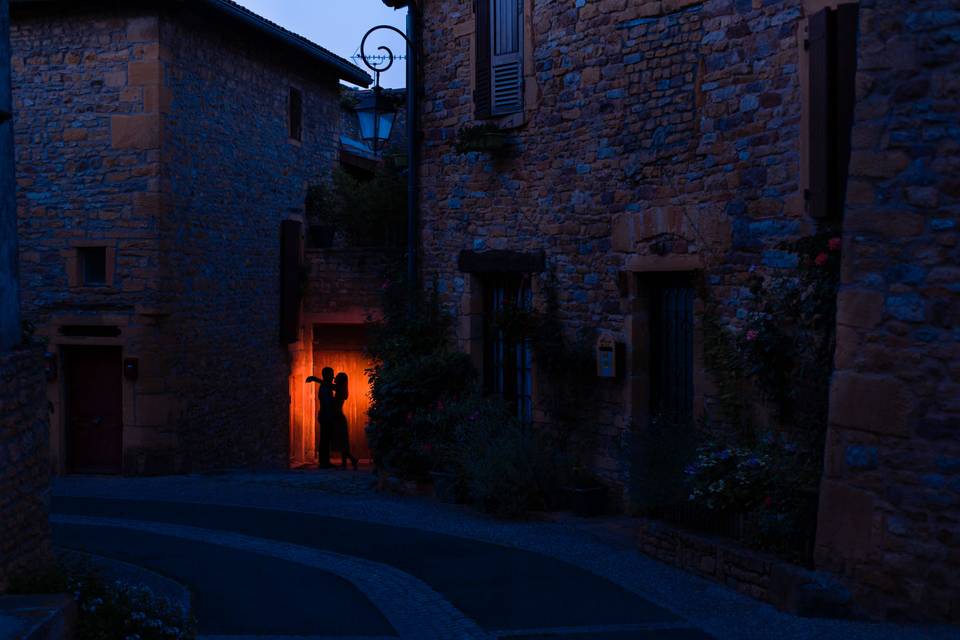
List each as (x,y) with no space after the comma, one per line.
(327,421)
(341,429)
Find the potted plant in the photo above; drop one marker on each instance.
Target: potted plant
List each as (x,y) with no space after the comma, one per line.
(486,138)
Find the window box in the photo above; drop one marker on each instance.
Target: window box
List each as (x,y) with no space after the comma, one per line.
(483,138)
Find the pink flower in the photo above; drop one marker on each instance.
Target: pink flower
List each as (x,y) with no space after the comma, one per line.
(820,260)
(427,448)
(834,244)
(752,335)
(439,405)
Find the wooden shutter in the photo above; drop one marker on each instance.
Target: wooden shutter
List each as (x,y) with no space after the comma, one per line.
(845,75)
(833,68)
(289,281)
(820,121)
(506,56)
(482,92)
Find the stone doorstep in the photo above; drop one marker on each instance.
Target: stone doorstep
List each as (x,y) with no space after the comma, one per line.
(789,588)
(47,617)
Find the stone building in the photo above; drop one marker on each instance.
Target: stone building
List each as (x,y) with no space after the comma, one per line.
(890,502)
(647,161)
(163,156)
(24,470)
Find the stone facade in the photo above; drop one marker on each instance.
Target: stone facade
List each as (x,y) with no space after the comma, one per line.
(671,136)
(24,471)
(890,503)
(655,137)
(24,463)
(173,151)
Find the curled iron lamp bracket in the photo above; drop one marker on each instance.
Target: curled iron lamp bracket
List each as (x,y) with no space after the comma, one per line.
(387,57)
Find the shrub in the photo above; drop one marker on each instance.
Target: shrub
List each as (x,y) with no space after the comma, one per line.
(504,467)
(110,610)
(414,375)
(773,483)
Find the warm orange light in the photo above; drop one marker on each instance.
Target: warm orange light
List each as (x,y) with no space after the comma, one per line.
(307,359)
(354,364)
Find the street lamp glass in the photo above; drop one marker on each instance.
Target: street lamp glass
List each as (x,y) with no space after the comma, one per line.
(376,118)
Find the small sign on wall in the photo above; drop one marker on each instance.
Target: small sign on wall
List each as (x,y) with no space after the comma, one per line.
(607,360)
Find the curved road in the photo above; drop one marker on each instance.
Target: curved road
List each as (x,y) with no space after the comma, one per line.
(319,555)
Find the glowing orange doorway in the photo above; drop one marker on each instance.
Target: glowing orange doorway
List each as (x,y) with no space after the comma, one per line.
(341,348)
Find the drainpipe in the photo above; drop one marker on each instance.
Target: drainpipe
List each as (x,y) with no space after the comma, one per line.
(413,164)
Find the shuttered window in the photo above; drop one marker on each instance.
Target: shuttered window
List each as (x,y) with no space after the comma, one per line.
(499,63)
(833,65)
(289,281)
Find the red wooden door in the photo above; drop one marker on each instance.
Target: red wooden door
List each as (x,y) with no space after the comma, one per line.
(94,403)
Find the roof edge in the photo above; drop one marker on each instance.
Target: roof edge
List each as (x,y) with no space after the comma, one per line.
(347,71)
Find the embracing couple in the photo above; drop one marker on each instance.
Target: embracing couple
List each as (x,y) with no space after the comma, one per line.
(333,423)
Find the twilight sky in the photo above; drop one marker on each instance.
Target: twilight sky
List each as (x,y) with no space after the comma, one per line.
(339,25)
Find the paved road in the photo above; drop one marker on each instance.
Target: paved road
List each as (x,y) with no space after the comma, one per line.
(507,591)
(319,555)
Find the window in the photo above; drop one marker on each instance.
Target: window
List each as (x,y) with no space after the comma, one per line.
(499,59)
(833,64)
(507,356)
(93,266)
(296,114)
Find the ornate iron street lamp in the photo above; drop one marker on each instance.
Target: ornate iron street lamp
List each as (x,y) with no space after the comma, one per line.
(379,117)
(376,116)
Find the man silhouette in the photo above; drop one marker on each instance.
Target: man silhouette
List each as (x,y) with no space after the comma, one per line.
(326,416)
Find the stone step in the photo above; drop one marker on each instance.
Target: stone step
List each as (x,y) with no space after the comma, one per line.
(46,617)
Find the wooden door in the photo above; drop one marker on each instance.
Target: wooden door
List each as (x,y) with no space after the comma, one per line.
(94,405)
(341,348)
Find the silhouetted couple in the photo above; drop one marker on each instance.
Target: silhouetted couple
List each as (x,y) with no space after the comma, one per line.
(333,429)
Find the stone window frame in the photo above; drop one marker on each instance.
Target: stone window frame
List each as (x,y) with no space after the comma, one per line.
(74,265)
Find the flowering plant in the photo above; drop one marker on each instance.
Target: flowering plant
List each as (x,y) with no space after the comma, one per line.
(724,478)
(118,610)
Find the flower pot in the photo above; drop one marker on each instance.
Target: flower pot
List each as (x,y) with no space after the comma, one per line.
(588,502)
(444,486)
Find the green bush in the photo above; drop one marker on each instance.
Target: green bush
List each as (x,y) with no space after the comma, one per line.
(504,467)
(369,211)
(414,376)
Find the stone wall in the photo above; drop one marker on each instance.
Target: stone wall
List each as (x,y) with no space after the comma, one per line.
(86,96)
(164,137)
(348,281)
(24,463)
(890,503)
(233,174)
(656,136)
(9,298)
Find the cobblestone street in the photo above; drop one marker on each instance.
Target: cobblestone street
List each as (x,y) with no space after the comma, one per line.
(320,554)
